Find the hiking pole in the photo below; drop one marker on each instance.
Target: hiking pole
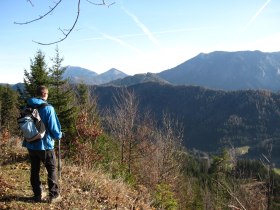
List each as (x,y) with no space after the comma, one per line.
(59,161)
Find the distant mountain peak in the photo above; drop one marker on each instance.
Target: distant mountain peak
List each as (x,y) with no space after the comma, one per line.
(113,71)
(116,71)
(228,71)
(137,79)
(77,74)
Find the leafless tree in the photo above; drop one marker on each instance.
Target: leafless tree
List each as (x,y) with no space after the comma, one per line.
(152,152)
(65,32)
(163,163)
(169,139)
(268,164)
(122,122)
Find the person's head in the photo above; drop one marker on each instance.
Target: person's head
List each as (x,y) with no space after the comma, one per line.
(42,92)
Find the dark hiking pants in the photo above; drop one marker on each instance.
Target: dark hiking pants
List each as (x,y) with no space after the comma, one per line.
(49,160)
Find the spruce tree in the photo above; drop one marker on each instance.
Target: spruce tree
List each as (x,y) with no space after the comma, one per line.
(61,96)
(82,95)
(8,109)
(87,103)
(37,76)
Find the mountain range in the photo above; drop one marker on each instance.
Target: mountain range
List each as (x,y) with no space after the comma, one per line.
(228,71)
(218,70)
(81,75)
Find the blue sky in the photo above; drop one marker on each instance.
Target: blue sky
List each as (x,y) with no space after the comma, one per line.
(134,36)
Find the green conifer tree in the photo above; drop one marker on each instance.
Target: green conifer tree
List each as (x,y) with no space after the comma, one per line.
(8,109)
(61,96)
(82,95)
(37,76)
(87,104)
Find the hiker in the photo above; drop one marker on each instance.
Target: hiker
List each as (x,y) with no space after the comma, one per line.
(42,150)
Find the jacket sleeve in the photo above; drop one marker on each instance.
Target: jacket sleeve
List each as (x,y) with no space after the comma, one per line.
(53,124)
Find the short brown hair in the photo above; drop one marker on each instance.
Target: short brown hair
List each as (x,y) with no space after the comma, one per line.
(41,89)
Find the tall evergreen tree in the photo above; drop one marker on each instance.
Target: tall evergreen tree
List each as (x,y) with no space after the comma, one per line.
(8,109)
(88,106)
(87,102)
(82,95)
(61,96)
(37,76)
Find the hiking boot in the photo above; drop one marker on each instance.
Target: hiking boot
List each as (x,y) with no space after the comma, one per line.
(55,199)
(37,199)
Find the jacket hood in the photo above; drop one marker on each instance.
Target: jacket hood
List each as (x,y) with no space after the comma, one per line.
(33,102)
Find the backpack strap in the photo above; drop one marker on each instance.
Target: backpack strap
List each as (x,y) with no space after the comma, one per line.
(37,106)
(42,105)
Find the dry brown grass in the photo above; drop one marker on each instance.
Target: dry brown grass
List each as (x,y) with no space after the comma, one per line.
(95,190)
(81,188)
(255,195)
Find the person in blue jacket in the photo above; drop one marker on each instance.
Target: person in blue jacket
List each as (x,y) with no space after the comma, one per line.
(42,150)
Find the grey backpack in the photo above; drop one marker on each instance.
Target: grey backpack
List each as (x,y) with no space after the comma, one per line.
(30,123)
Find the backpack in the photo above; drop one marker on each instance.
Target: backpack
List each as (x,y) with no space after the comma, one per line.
(30,123)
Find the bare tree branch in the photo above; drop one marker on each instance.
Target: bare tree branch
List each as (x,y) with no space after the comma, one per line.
(30,3)
(233,207)
(229,191)
(65,32)
(69,31)
(41,16)
(101,4)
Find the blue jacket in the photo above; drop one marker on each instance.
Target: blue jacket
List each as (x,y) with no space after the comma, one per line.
(53,127)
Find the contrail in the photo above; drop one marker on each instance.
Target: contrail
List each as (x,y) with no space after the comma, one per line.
(256,15)
(183,30)
(112,38)
(143,27)
(143,34)
(121,42)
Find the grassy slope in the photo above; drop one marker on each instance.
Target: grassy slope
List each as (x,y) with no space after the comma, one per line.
(80,188)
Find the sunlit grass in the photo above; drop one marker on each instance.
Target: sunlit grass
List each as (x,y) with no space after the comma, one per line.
(277,170)
(243,150)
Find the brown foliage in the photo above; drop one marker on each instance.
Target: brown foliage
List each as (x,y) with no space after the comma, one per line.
(5,136)
(86,127)
(88,130)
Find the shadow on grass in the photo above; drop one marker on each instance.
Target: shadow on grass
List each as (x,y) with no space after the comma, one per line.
(10,198)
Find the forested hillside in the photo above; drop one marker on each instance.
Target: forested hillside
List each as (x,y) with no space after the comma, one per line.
(211,119)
